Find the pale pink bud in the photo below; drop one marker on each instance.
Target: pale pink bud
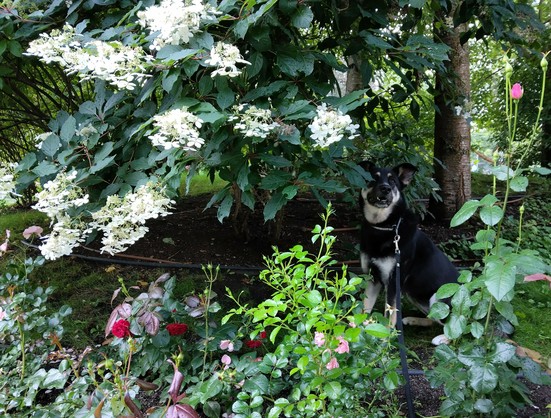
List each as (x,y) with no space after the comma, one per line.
(517,91)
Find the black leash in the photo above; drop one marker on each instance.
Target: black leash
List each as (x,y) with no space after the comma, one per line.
(400,326)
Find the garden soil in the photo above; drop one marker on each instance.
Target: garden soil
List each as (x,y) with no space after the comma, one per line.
(192,236)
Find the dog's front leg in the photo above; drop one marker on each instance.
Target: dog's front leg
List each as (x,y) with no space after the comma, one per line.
(371,294)
(373,288)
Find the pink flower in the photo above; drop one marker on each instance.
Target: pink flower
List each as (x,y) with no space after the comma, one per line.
(333,364)
(343,346)
(538,276)
(226,345)
(517,91)
(2,314)
(319,338)
(36,230)
(226,361)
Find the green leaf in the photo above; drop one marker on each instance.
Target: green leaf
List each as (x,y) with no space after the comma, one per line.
(503,353)
(465,213)
(68,129)
(302,363)
(311,299)
(456,326)
(491,215)
(54,379)
(484,406)
(519,184)
(332,389)
(175,53)
(257,385)
(439,310)
(295,63)
(224,208)
(50,145)
(483,379)
(447,290)
(500,278)
(210,388)
(477,330)
(212,409)
(377,330)
(45,168)
(275,179)
(273,206)
(302,18)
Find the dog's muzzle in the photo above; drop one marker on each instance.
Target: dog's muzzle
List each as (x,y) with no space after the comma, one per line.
(381,196)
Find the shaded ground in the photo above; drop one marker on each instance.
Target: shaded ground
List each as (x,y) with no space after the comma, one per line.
(194,237)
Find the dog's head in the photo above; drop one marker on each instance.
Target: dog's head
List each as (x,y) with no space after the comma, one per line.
(384,191)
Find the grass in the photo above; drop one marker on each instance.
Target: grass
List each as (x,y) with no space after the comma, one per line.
(201,184)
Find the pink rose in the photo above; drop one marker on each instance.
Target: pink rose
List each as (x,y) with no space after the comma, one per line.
(319,338)
(333,364)
(343,346)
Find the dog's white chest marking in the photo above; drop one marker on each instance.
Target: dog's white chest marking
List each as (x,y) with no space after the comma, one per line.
(386,266)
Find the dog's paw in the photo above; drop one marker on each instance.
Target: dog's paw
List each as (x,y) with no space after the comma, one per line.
(440,339)
(419,322)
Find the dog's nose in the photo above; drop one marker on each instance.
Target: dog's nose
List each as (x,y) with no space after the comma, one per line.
(385,189)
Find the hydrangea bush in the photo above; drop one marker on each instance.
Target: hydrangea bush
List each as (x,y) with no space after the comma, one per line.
(242,90)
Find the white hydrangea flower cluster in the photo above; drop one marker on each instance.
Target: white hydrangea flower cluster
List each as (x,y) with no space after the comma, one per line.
(330,126)
(66,234)
(225,56)
(178,128)
(60,194)
(254,121)
(122,219)
(7,182)
(175,22)
(56,198)
(119,65)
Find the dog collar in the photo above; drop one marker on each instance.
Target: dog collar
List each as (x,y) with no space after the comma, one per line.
(388,228)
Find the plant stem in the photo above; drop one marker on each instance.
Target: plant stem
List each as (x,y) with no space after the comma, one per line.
(22,344)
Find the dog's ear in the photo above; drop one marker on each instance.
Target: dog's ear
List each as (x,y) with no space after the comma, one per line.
(405,172)
(367,165)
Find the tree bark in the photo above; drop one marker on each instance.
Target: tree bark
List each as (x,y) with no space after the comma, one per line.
(452,135)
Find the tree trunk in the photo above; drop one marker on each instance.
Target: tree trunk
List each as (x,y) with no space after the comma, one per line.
(452,135)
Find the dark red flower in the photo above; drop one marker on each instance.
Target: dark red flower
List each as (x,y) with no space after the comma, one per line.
(176,329)
(121,328)
(253,343)
(262,335)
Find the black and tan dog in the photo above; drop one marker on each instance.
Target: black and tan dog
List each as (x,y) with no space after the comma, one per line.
(385,215)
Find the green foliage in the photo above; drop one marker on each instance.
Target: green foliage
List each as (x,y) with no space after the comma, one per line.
(306,351)
(23,324)
(313,310)
(478,370)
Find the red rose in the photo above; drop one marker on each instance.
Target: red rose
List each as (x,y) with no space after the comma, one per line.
(121,328)
(253,344)
(262,335)
(176,329)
